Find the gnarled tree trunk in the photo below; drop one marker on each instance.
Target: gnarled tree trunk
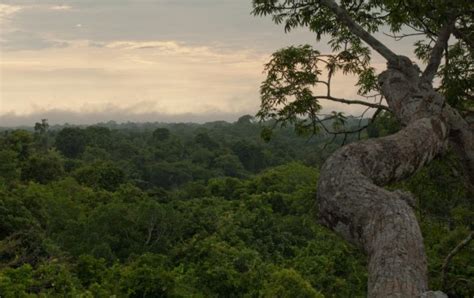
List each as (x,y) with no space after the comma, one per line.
(351,197)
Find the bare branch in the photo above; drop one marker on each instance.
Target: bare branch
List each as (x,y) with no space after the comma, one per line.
(458,247)
(437,52)
(359,102)
(402,36)
(457,281)
(360,32)
(348,132)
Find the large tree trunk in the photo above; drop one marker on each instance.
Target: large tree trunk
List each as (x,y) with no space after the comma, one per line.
(353,202)
(381,222)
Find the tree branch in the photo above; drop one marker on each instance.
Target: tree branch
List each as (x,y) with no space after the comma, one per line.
(359,102)
(344,17)
(402,36)
(460,246)
(437,52)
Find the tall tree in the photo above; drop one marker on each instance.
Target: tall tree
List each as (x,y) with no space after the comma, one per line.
(351,197)
(41,134)
(71,141)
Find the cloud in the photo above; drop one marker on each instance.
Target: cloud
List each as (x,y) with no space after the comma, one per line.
(162,45)
(183,56)
(178,77)
(215,52)
(6,11)
(160,76)
(60,7)
(17,40)
(198,22)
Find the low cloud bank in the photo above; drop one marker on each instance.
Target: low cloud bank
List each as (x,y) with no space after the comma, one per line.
(57,116)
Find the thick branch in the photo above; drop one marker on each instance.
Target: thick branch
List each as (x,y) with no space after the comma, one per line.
(344,17)
(437,52)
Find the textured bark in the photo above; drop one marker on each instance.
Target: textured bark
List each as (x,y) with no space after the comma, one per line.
(381,222)
(351,198)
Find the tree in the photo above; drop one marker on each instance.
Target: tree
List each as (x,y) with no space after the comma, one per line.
(206,141)
(71,141)
(147,277)
(41,134)
(351,197)
(8,165)
(98,136)
(19,141)
(250,155)
(288,283)
(245,120)
(42,168)
(229,164)
(161,134)
(100,175)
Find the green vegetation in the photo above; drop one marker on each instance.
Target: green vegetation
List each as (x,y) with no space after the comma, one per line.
(182,210)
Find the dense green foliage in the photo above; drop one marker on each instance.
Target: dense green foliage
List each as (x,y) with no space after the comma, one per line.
(193,210)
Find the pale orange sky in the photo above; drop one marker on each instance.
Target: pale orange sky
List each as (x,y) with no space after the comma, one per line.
(114,58)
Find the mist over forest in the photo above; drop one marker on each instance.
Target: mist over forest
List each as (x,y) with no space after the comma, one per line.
(59,117)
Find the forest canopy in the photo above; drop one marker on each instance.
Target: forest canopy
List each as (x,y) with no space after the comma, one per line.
(148,210)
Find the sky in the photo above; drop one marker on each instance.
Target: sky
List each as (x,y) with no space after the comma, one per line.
(87,61)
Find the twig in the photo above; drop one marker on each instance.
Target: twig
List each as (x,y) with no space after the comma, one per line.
(400,37)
